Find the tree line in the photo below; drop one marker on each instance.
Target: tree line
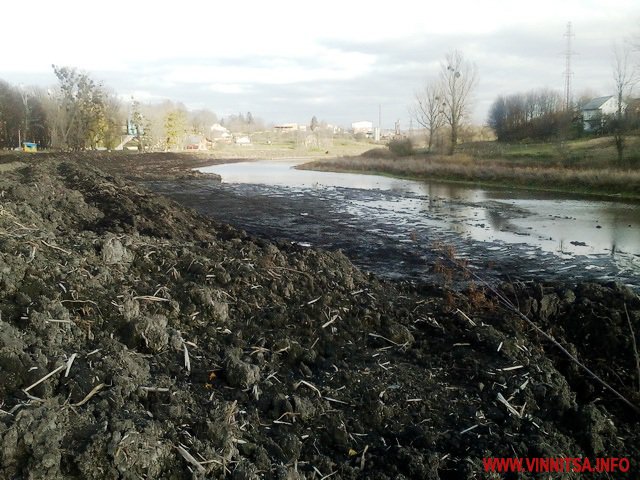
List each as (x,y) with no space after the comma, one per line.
(537,114)
(80,113)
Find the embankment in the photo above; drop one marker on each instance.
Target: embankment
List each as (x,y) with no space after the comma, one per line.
(139,339)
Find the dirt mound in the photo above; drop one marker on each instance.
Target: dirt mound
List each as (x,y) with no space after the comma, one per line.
(141,340)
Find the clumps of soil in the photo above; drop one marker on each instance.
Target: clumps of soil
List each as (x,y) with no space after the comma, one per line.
(182,348)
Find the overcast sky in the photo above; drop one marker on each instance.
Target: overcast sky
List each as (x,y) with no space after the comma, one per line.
(286,61)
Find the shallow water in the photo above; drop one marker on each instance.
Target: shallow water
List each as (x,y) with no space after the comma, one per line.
(546,220)
(602,237)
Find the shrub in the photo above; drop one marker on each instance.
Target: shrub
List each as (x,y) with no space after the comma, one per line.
(377,153)
(401,147)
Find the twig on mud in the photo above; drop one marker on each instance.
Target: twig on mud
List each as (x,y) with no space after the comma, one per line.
(366,447)
(273,375)
(281,422)
(375,335)
(466,430)
(32,254)
(334,400)
(69,363)
(48,375)
(473,324)
(53,320)
(155,389)
(34,398)
(187,360)
(311,302)
(333,319)
(93,391)
(330,475)
(310,385)
(504,401)
(151,298)
(55,248)
(508,369)
(633,343)
(189,458)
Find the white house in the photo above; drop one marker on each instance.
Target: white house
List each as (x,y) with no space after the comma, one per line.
(595,112)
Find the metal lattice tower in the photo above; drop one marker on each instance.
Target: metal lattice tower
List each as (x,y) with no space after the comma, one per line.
(568,73)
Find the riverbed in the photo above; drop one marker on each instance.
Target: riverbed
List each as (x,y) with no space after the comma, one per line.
(397,228)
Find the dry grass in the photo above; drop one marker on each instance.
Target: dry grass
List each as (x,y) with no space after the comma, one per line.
(463,167)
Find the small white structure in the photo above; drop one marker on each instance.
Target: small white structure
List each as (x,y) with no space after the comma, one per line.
(596,111)
(289,127)
(244,141)
(218,132)
(362,127)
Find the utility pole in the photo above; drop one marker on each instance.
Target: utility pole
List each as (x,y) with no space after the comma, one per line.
(567,72)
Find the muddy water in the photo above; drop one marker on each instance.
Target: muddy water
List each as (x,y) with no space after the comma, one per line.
(390,225)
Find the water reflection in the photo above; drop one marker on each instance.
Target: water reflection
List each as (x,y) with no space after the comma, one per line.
(558,223)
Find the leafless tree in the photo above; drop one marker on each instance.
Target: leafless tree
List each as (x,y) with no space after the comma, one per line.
(458,79)
(429,110)
(624,77)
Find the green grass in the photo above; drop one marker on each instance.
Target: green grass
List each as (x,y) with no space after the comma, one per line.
(585,167)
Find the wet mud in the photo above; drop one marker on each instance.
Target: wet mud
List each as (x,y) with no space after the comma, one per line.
(387,243)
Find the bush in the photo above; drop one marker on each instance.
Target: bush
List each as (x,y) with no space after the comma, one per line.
(378,153)
(401,147)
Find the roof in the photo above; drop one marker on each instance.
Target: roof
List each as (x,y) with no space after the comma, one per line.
(596,103)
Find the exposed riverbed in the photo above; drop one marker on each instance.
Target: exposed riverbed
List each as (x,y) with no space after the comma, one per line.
(390,226)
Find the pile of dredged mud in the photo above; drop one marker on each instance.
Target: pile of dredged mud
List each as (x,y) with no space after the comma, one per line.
(141,340)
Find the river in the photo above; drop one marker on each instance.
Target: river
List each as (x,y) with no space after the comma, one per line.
(392,226)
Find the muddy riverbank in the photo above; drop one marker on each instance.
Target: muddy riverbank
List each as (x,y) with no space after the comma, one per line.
(398,229)
(141,339)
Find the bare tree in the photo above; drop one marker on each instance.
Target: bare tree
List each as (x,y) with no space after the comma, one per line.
(428,110)
(458,80)
(624,78)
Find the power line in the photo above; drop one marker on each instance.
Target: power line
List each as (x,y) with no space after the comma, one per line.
(568,73)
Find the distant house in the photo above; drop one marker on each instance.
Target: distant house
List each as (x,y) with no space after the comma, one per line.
(596,111)
(362,127)
(244,141)
(196,142)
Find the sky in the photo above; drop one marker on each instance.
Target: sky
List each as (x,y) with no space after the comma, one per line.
(341,61)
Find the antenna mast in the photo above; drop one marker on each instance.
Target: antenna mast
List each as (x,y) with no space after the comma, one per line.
(568,73)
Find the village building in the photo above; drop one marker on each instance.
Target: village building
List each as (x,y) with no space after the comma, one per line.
(596,112)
